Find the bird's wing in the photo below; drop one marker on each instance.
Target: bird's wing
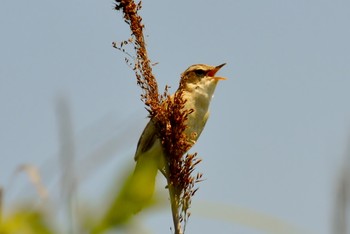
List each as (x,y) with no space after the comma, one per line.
(205,119)
(147,139)
(206,116)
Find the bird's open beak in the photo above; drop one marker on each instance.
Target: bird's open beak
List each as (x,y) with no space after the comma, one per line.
(214,71)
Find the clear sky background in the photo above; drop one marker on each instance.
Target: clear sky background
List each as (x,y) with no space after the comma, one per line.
(278,133)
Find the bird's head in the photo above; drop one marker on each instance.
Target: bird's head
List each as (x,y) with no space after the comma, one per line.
(201,78)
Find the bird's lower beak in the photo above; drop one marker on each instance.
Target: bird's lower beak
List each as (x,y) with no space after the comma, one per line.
(219,78)
(215,70)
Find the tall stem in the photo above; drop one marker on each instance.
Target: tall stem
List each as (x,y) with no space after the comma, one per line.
(174,201)
(1,202)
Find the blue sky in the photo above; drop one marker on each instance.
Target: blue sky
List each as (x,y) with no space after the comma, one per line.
(279,126)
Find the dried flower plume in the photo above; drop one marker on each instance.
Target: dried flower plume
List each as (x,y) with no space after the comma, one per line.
(167,113)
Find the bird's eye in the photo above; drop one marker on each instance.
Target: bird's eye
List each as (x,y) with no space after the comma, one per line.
(200,72)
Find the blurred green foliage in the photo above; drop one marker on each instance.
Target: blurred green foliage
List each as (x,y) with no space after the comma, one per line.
(25,222)
(135,194)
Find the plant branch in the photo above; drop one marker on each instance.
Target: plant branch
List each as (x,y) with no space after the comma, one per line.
(169,116)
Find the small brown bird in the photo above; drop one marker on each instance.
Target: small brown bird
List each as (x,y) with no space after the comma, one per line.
(198,84)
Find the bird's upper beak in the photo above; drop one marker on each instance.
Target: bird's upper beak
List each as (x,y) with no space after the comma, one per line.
(214,71)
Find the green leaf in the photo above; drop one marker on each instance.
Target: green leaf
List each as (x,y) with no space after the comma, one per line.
(135,194)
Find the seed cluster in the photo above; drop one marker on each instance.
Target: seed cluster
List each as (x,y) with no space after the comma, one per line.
(166,112)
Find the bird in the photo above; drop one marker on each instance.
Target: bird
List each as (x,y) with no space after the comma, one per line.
(197,84)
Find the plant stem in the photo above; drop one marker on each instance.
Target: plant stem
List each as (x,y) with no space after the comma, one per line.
(1,203)
(174,202)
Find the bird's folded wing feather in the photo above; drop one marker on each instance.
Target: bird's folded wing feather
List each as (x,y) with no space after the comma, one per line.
(147,139)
